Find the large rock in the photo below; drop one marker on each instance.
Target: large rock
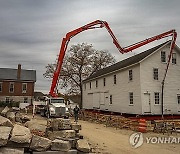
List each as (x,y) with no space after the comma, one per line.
(21,118)
(4,135)
(17,145)
(61,134)
(60,145)
(7,150)
(40,143)
(76,127)
(5,122)
(79,136)
(72,151)
(34,126)
(25,118)
(20,134)
(11,116)
(72,141)
(4,111)
(18,117)
(64,124)
(60,124)
(83,145)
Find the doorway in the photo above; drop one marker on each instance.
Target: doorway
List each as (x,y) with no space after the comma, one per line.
(147,103)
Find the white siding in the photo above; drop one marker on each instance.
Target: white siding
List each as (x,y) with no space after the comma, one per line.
(149,85)
(96,100)
(143,87)
(119,91)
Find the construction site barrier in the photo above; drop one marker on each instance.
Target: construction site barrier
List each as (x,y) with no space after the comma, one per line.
(117,121)
(142,126)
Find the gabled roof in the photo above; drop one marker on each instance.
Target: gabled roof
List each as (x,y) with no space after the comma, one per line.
(125,63)
(11,74)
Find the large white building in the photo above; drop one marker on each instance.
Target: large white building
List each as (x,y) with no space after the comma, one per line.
(133,86)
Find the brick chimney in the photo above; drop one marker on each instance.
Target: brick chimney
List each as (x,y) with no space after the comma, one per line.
(19,72)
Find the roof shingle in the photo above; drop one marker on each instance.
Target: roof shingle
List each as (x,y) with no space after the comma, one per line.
(11,74)
(124,63)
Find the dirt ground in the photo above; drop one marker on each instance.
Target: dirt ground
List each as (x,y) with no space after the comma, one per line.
(108,140)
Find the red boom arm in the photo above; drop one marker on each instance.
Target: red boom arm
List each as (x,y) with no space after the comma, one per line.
(101,24)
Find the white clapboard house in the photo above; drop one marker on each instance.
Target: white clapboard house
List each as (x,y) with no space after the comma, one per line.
(133,86)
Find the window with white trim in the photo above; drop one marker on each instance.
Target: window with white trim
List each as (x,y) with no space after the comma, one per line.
(24,88)
(131,98)
(104,81)
(7,100)
(115,79)
(96,83)
(90,85)
(163,56)
(155,73)
(0,86)
(173,58)
(130,75)
(110,99)
(11,87)
(156,98)
(178,98)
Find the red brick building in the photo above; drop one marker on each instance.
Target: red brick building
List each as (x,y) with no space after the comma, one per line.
(17,85)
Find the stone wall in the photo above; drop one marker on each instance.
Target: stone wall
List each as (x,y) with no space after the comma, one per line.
(19,134)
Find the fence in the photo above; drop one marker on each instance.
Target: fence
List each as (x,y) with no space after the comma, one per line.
(120,122)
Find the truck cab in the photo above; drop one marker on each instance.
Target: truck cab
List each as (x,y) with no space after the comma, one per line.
(55,107)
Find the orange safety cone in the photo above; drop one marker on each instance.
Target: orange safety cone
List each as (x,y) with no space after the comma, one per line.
(142,126)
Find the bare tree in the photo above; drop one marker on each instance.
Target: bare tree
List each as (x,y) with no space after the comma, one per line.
(80,61)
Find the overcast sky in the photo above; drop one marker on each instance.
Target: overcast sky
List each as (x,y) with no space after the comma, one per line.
(31,30)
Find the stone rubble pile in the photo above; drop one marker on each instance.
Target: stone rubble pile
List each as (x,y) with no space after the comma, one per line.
(19,135)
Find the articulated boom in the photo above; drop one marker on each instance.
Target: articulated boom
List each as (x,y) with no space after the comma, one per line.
(101,24)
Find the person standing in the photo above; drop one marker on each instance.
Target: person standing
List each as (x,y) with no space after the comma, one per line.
(76,113)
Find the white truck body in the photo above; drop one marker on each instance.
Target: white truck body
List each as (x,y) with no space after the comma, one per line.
(52,107)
